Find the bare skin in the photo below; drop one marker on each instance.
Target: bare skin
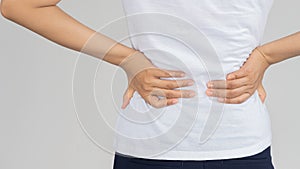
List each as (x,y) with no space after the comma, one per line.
(241,84)
(45,18)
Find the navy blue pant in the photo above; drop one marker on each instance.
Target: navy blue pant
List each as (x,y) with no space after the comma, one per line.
(261,160)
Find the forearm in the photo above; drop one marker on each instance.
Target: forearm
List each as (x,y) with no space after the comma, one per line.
(282,49)
(49,21)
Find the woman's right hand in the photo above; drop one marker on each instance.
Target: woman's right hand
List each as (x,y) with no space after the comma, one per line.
(155,91)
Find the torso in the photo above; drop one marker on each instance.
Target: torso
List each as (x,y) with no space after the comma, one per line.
(207,39)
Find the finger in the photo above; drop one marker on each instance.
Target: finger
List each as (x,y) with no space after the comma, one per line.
(236,74)
(237,100)
(159,102)
(127,97)
(228,84)
(261,92)
(167,73)
(227,93)
(173,93)
(172,84)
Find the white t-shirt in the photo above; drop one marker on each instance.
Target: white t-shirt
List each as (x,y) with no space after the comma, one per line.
(207,39)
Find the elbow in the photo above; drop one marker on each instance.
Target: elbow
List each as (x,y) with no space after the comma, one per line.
(11,9)
(6,8)
(3,9)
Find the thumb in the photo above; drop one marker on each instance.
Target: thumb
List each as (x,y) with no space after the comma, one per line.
(127,96)
(261,92)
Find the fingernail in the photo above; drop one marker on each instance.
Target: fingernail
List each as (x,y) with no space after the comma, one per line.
(174,101)
(190,83)
(182,74)
(192,94)
(231,77)
(221,99)
(209,93)
(210,85)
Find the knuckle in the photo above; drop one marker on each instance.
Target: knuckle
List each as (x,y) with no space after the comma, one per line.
(159,92)
(216,93)
(251,85)
(222,84)
(146,71)
(169,94)
(229,85)
(170,85)
(147,80)
(150,72)
(248,70)
(253,80)
(242,71)
(230,94)
(239,100)
(147,88)
(248,79)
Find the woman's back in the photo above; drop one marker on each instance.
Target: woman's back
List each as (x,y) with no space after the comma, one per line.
(207,39)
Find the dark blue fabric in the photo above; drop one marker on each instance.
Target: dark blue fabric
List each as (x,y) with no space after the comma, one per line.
(261,160)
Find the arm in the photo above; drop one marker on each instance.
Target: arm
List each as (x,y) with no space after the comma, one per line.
(46,19)
(281,49)
(241,84)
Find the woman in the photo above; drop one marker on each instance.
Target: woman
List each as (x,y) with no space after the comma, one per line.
(242,139)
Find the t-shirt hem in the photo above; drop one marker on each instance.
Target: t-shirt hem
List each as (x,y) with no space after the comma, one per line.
(213,155)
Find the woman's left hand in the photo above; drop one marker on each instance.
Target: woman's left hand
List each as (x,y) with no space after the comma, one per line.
(241,84)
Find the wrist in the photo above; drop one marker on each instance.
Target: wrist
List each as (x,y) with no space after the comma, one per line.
(135,63)
(261,60)
(267,58)
(116,53)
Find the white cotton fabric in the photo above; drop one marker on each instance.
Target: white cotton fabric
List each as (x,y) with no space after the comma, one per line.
(171,33)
